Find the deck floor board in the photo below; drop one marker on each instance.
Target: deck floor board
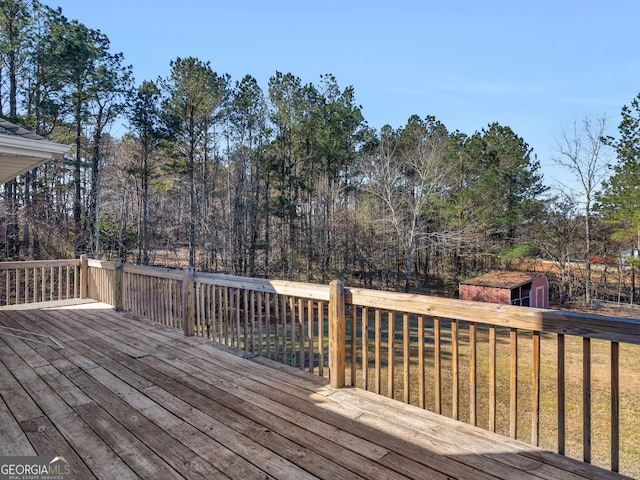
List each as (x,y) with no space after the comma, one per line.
(126,398)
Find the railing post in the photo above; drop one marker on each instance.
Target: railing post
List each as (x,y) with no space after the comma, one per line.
(188,299)
(337,334)
(117,285)
(84,275)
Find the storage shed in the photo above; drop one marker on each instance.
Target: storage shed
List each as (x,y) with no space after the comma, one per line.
(508,288)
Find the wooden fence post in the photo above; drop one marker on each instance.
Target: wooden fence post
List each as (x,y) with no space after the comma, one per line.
(337,334)
(188,302)
(84,277)
(117,285)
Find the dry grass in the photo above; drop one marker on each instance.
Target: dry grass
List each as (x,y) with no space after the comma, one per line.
(600,385)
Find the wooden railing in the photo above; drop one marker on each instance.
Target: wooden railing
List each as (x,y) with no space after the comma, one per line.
(396,338)
(100,280)
(284,321)
(152,293)
(548,377)
(40,281)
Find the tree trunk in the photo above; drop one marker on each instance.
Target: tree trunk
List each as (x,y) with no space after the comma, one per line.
(409,269)
(28,220)
(13,85)
(587,281)
(79,245)
(11,226)
(93,214)
(192,209)
(145,207)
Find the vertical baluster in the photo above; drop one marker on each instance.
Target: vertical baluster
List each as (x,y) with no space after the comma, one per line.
(455,372)
(43,285)
(513,383)
(27,290)
(222,318)
(60,270)
(492,378)
(421,366)
(391,333)
(321,338)
(473,375)
(365,348)
(311,348)
(68,282)
(615,406)
(378,352)
(221,327)
(276,340)
(254,305)
(535,390)
(199,302)
(292,318)
(238,314)
(263,300)
(282,329)
(34,285)
(437,388)
(586,399)
(206,331)
(245,333)
(266,331)
(354,363)
(406,360)
(301,334)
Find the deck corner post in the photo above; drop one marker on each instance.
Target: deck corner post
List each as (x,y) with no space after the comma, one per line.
(84,275)
(188,301)
(337,334)
(117,285)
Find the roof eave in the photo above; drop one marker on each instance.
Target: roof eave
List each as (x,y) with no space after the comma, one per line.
(26,147)
(19,155)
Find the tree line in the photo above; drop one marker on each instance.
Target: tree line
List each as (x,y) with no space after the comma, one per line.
(289,181)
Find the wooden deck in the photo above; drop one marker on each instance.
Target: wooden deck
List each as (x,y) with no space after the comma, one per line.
(126,398)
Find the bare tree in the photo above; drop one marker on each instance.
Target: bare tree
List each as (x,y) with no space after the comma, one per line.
(559,238)
(405,173)
(581,150)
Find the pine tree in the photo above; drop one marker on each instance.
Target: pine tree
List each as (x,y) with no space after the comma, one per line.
(620,199)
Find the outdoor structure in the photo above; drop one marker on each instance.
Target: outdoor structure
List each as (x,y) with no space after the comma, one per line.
(508,288)
(21,150)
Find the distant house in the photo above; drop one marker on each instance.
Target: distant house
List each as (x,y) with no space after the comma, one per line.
(21,150)
(508,288)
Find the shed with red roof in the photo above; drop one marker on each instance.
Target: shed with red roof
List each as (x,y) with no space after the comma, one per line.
(508,288)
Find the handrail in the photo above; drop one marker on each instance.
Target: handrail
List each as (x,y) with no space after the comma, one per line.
(419,316)
(281,287)
(12,265)
(40,281)
(533,319)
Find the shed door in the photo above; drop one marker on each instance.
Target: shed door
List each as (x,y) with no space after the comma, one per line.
(539,298)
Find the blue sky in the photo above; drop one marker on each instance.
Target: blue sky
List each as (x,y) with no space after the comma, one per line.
(534,66)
